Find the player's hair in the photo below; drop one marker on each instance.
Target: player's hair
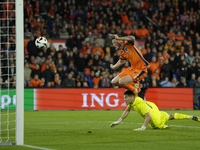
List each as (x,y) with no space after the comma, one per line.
(129,93)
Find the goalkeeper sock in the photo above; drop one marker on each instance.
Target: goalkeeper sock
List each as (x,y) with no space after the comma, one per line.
(181,116)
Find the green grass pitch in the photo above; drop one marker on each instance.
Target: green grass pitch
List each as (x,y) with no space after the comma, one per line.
(90,130)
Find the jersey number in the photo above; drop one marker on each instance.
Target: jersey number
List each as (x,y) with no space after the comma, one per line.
(149,105)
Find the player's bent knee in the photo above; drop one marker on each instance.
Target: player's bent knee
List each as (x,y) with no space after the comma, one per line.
(114,82)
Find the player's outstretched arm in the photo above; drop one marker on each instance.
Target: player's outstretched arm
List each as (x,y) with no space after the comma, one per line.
(129,38)
(117,65)
(124,115)
(146,122)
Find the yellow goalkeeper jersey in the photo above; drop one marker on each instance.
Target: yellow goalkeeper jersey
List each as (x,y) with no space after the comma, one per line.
(158,118)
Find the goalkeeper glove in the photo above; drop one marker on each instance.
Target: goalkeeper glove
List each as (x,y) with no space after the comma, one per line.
(141,129)
(115,123)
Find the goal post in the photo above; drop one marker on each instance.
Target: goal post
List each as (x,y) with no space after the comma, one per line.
(19,13)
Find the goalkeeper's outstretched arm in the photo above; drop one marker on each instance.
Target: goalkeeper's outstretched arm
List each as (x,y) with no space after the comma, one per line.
(124,115)
(146,122)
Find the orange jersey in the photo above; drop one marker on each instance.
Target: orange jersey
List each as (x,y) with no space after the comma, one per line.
(134,55)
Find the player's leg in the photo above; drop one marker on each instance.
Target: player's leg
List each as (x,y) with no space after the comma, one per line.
(127,83)
(137,76)
(179,116)
(115,81)
(126,80)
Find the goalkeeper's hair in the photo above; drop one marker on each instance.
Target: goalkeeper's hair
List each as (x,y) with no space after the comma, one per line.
(129,93)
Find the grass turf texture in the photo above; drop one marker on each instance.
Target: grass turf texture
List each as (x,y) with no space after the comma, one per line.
(90,130)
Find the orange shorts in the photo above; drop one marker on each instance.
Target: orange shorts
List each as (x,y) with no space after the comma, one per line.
(137,75)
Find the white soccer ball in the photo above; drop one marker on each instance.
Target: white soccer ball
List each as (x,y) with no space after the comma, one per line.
(41,42)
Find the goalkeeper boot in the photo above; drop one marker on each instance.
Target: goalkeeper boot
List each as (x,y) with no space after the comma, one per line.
(196,118)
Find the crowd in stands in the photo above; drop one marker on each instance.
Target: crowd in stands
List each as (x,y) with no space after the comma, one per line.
(169,28)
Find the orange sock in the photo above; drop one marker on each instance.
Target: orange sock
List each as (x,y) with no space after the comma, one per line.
(129,86)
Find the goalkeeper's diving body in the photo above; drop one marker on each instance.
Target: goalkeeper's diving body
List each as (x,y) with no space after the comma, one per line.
(150,112)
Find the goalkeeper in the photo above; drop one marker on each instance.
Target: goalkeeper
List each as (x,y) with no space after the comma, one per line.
(150,112)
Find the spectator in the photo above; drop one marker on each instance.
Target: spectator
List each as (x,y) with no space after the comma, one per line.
(63,34)
(70,42)
(174,82)
(78,84)
(43,82)
(36,71)
(27,73)
(69,82)
(72,67)
(100,41)
(154,82)
(182,52)
(173,64)
(80,63)
(70,58)
(85,47)
(79,40)
(47,74)
(182,83)
(85,84)
(165,55)
(87,75)
(13,82)
(190,58)
(148,55)
(192,69)
(183,70)
(96,80)
(125,18)
(32,49)
(35,82)
(61,52)
(143,32)
(192,80)
(56,77)
(105,81)
(49,85)
(54,34)
(40,58)
(166,70)
(197,83)
(154,65)
(166,83)
(98,49)
(58,84)
(12,70)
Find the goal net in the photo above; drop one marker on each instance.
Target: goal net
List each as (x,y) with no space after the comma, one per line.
(11,44)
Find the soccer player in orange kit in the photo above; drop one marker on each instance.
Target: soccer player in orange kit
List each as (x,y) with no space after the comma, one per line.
(129,78)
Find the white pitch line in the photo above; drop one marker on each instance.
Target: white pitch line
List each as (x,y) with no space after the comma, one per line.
(107,122)
(36,147)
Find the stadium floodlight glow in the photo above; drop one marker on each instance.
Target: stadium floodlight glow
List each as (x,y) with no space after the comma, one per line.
(12,99)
